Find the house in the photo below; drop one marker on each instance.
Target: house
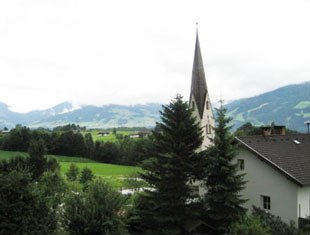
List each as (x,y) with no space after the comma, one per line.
(134,136)
(103,133)
(277,172)
(5,131)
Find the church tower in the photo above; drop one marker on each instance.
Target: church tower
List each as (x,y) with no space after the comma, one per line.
(199,98)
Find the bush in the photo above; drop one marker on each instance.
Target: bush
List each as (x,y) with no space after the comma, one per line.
(97,210)
(277,226)
(86,175)
(23,209)
(250,225)
(73,172)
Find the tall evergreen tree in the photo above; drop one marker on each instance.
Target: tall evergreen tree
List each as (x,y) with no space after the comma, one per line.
(166,209)
(89,145)
(223,182)
(37,161)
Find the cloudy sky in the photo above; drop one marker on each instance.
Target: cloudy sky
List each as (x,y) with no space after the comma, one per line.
(139,51)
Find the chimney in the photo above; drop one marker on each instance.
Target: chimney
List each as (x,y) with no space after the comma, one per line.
(273,130)
(266,130)
(308,124)
(278,130)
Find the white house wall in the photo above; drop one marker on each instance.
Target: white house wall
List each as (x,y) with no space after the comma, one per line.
(303,202)
(262,179)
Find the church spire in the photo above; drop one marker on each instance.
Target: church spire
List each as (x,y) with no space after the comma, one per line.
(199,98)
(199,85)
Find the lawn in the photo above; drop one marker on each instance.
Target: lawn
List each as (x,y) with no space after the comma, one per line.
(111,137)
(7,154)
(115,174)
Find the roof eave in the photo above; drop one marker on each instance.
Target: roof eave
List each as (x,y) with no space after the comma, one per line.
(272,164)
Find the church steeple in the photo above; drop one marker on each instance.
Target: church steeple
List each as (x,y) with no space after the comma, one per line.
(199,98)
(199,85)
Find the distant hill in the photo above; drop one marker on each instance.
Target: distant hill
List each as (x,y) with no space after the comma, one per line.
(289,106)
(107,116)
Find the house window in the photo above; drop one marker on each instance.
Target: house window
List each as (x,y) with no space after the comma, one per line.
(207,105)
(266,202)
(241,164)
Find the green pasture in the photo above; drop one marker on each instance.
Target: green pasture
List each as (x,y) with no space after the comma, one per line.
(6,155)
(115,174)
(111,137)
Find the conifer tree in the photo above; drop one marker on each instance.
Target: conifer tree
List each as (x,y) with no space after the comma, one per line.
(37,161)
(86,175)
(166,209)
(73,172)
(223,182)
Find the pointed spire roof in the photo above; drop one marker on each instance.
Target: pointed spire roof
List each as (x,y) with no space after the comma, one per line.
(199,85)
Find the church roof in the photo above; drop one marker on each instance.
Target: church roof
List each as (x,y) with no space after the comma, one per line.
(199,85)
(290,154)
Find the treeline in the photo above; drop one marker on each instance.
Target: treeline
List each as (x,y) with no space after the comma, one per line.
(69,141)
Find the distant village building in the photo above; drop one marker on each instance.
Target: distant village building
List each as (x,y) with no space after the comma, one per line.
(5,130)
(140,134)
(103,133)
(134,136)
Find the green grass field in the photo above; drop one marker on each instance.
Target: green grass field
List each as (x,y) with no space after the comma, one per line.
(115,174)
(7,154)
(111,137)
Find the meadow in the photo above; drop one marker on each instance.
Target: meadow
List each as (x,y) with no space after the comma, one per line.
(111,137)
(114,174)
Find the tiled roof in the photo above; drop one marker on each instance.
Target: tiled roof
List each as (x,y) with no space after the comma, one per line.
(290,154)
(199,85)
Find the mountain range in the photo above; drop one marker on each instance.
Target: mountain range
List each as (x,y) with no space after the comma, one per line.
(289,105)
(91,116)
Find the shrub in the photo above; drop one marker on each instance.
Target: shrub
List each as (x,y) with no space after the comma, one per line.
(277,226)
(73,172)
(250,225)
(97,210)
(86,175)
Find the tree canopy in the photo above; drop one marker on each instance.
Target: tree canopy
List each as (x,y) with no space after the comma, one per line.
(166,209)
(223,182)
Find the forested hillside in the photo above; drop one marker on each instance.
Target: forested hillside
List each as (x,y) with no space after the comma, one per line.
(289,106)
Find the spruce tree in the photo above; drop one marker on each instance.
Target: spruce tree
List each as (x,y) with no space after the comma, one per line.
(167,208)
(223,182)
(37,161)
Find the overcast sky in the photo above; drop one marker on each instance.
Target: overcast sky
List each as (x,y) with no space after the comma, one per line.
(140,51)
